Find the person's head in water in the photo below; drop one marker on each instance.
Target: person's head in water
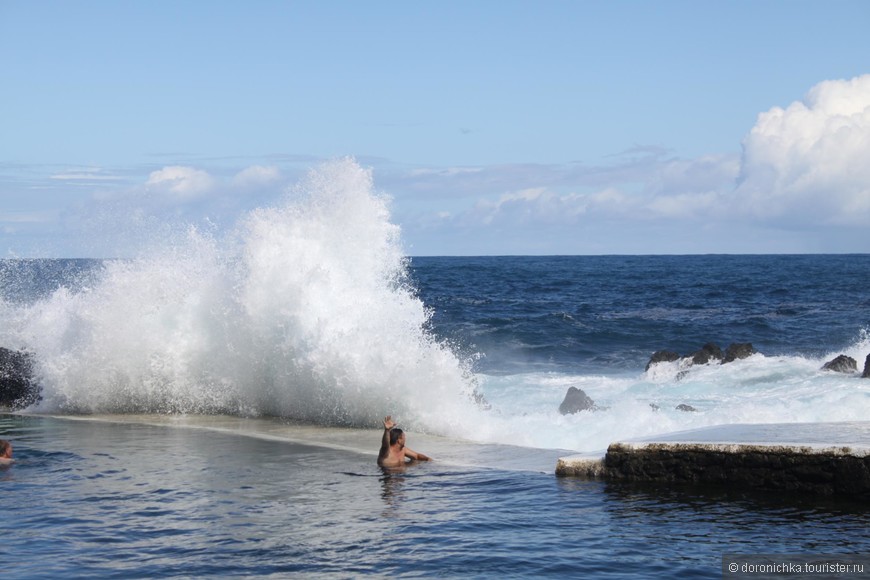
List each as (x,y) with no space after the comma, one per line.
(397,436)
(5,449)
(393,452)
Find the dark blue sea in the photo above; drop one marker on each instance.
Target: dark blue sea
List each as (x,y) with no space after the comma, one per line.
(210,407)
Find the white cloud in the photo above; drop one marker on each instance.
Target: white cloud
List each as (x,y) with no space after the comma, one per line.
(642,189)
(256,176)
(810,162)
(542,207)
(184,182)
(804,168)
(89,174)
(704,174)
(686,205)
(611,199)
(445,171)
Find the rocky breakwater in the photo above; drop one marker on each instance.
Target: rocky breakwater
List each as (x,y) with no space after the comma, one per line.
(821,471)
(17,387)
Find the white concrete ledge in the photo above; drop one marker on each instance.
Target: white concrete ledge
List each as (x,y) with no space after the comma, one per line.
(753,456)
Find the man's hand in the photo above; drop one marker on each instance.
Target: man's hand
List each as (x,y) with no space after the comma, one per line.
(388,422)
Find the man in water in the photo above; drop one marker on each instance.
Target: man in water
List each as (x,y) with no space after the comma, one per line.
(5,452)
(393,451)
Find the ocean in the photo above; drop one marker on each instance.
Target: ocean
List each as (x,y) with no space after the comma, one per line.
(211,406)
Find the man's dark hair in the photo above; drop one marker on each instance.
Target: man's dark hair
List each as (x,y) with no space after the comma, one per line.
(394,435)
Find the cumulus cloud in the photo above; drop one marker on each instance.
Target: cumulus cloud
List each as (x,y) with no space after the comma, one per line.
(803,168)
(809,161)
(185,183)
(256,176)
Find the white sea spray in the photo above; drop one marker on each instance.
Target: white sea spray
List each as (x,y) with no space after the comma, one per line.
(305,311)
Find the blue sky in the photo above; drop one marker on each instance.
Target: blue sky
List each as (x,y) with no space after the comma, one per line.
(496,127)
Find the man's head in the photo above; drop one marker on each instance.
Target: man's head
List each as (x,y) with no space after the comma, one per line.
(397,436)
(5,449)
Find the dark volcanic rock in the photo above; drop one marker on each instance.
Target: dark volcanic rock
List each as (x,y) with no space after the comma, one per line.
(779,468)
(575,401)
(866,374)
(738,350)
(686,408)
(709,352)
(841,364)
(662,356)
(17,389)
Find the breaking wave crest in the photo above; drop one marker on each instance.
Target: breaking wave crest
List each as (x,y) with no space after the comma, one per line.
(304,311)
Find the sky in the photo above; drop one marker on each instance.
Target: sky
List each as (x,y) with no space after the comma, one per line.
(495,127)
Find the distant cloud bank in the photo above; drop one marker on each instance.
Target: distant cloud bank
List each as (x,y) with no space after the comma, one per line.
(801,183)
(803,168)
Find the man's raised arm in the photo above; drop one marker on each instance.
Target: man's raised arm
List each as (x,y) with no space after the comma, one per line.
(385,440)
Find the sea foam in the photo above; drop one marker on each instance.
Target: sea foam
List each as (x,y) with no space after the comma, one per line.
(776,389)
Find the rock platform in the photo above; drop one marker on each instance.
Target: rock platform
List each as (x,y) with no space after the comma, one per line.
(817,458)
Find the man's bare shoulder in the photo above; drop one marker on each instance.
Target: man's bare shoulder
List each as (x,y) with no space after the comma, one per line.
(391,460)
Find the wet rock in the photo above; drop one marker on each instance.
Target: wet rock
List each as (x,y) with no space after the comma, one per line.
(686,408)
(738,350)
(841,364)
(662,356)
(17,389)
(575,401)
(866,374)
(708,353)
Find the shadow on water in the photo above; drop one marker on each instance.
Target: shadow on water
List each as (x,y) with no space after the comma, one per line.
(719,520)
(392,489)
(698,497)
(392,481)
